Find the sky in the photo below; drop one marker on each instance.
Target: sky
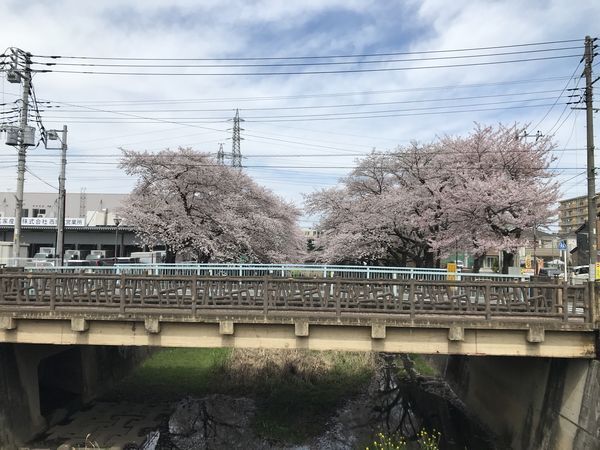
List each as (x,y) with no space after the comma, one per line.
(382,80)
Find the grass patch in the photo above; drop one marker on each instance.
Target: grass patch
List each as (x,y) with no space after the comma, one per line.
(170,374)
(296,392)
(423,367)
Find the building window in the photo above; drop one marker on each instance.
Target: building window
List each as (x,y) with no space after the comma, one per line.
(37,212)
(25,213)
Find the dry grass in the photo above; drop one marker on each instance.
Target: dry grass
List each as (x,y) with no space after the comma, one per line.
(245,366)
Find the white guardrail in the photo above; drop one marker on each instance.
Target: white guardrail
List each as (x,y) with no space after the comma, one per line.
(283,270)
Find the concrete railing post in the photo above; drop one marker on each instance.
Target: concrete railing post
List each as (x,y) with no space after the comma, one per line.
(194,292)
(337,295)
(411,298)
(565,301)
(266,295)
(122,293)
(594,309)
(488,300)
(52,291)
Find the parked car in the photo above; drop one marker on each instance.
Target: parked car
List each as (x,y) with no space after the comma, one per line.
(78,262)
(580,274)
(550,272)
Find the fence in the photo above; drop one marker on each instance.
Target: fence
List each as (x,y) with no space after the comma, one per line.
(287,271)
(336,296)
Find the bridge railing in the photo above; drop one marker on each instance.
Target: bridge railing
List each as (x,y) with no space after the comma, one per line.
(288,271)
(123,293)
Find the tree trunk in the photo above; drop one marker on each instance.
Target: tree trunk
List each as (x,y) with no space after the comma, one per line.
(429,259)
(478,263)
(170,255)
(508,259)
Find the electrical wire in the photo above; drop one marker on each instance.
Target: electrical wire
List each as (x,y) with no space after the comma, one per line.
(559,96)
(301,64)
(338,114)
(343,105)
(310,72)
(40,179)
(495,47)
(194,121)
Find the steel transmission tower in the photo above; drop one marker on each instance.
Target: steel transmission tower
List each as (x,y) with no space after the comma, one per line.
(236,154)
(221,154)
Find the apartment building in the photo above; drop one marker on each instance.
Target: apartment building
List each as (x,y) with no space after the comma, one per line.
(572,213)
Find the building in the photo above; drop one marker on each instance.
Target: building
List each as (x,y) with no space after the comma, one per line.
(89,222)
(572,213)
(43,204)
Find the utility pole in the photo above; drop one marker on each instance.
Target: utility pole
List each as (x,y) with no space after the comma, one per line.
(591,169)
(60,234)
(22,154)
(236,154)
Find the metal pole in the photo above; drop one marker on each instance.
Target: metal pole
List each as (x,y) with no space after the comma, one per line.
(591,170)
(116,238)
(22,153)
(60,234)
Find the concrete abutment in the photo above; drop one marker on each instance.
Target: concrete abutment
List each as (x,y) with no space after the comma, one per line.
(41,384)
(532,403)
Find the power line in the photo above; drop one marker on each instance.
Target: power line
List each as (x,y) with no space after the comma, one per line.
(300,64)
(311,72)
(194,121)
(340,114)
(40,179)
(236,100)
(559,96)
(343,105)
(564,41)
(301,155)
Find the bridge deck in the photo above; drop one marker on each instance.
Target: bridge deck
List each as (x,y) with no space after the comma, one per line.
(361,314)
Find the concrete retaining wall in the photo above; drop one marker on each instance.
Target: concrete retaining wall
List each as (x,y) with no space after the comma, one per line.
(532,403)
(40,384)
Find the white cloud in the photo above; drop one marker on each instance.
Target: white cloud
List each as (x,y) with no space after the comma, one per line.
(154,28)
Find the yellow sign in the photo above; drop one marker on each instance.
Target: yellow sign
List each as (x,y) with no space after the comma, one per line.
(597,271)
(451,267)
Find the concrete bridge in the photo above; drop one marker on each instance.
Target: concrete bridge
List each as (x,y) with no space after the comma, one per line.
(443,315)
(97,323)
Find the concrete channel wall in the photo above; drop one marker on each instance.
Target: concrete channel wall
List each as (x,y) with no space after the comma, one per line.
(532,403)
(41,384)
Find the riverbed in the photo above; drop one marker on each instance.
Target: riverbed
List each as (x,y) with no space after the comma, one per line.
(271,400)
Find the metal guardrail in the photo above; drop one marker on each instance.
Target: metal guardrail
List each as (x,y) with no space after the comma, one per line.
(30,263)
(482,300)
(288,271)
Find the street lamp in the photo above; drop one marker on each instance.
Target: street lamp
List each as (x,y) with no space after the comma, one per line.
(117,220)
(52,135)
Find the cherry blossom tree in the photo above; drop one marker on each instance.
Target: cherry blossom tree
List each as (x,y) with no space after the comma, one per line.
(205,211)
(502,187)
(423,202)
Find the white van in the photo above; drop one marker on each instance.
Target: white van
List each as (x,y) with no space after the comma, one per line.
(580,274)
